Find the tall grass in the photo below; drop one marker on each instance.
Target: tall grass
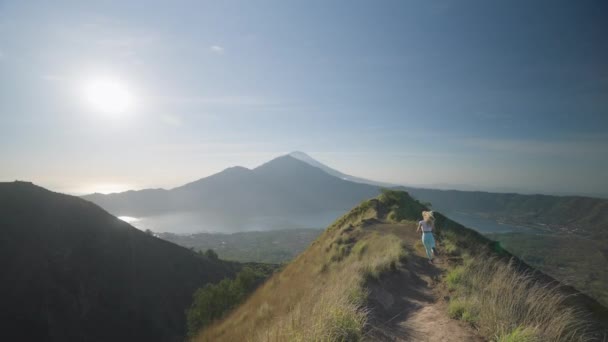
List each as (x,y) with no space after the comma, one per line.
(333,312)
(320,296)
(507,304)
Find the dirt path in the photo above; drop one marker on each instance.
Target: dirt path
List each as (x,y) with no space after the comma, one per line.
(409,305)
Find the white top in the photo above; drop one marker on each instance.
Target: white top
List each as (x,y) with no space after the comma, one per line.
(426,227)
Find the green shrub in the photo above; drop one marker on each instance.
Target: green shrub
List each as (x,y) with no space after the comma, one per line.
(213,301)
(456,308)
(450,247)
(211,254)
(455,277)
(360,248)
(463,310)
(357,296)
(392,216)
(340,252)
(519,334)
(345,325)
(469,316)
(402,206)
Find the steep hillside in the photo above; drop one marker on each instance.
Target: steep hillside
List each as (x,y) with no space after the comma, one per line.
(72,272)
(365,278)
(282,187)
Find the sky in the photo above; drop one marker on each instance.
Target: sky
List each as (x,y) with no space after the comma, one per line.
(488,95)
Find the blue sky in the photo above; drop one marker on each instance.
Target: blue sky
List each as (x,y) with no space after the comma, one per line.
(508,95)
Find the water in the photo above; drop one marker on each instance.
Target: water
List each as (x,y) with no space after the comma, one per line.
(129,219)
(487,226)
(188,223)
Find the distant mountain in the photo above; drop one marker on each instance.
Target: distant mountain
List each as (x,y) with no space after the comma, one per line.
(284,187)
(313,162)
(297,184)
(73,272)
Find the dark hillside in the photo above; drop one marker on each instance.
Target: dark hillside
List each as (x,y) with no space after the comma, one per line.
(72,272)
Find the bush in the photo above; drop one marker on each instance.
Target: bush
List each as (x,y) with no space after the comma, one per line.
(360,248)
(345,325)
(463,310)
(211,254)
(454,277)
(450,247)
(214,300)
(401,205)
(469,316)
(456,308)
(519,334)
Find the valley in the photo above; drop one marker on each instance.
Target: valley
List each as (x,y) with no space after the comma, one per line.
(274,247)
(230,211)
(303,171)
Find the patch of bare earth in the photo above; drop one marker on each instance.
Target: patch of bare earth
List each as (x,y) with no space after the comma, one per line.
(410,305)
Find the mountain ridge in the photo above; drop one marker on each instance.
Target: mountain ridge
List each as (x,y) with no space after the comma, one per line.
(313,162)
(365,277)
(284,185)
(256,186)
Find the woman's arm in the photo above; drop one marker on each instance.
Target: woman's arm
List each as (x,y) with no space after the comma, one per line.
(418,229)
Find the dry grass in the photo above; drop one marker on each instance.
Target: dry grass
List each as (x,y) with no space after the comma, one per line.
(320,296)
(510,305)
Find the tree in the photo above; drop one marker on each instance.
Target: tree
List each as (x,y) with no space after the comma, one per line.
(211,254)
(213,301)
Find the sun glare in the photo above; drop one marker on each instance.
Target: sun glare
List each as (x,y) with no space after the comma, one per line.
(109,96)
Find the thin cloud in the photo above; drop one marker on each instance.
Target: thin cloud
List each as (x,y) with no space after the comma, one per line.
(217,49)
(52,77)
(229,100)
(569,148)
(171,120)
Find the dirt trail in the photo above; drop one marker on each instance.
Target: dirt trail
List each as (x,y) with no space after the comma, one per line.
(409,305)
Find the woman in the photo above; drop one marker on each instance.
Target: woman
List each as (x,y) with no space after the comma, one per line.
(427,225)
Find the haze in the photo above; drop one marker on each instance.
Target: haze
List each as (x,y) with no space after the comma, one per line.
(468,94)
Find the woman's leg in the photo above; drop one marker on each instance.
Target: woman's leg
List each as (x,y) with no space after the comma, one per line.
(428,245)
(432,238)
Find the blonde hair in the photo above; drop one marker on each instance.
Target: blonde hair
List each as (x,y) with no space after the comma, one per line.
(428,216)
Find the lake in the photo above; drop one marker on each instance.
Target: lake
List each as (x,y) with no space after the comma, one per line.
(487,226)
(188,223)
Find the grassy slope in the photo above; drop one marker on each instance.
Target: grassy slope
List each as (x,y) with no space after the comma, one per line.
(573,260)
(508,300)
(322,294)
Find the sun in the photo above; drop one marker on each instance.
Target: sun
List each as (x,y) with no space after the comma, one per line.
(107,95)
